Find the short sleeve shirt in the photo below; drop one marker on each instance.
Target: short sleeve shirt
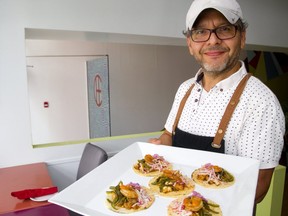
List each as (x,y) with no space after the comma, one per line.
(256,128)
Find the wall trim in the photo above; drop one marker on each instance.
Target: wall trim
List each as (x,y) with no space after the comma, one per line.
(100,139)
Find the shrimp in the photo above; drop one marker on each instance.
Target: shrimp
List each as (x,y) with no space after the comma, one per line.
(175,175)
(128,191)
(217,169)
(193,203)
(149,159)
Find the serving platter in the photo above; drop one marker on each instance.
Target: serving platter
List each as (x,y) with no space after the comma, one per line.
(43,198)
(87,196)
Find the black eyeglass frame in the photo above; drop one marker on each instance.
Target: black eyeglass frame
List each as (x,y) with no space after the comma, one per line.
(190,32)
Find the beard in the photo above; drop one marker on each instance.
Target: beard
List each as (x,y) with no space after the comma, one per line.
(220,67)
(215,68)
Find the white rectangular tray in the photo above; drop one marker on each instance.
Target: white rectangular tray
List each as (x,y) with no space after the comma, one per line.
(87,196)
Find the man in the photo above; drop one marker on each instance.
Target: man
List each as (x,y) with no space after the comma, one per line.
(216,33)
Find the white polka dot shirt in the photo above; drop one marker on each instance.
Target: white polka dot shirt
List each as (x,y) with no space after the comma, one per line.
(256,128)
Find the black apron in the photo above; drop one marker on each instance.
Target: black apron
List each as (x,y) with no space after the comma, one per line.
(214,144)
(186,140)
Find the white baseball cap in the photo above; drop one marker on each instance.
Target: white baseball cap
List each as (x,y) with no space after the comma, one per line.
(229,8)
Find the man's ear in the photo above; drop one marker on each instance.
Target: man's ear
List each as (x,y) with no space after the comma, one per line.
(243,39)
(189,44)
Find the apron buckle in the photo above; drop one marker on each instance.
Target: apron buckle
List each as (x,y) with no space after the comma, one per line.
(215,145)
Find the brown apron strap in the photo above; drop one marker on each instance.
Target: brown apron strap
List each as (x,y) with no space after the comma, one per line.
(181,106)
(229,111)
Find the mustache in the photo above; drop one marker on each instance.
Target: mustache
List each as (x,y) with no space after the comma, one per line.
(214,48)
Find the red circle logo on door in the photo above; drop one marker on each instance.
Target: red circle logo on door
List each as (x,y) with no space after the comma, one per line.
(98,90)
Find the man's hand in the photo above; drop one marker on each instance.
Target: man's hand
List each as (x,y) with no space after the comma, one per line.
(155,141)
(164,139)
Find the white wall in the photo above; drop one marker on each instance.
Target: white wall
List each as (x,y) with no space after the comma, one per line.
(268,21)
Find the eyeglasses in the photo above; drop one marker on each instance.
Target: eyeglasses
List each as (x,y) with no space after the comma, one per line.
(222,33)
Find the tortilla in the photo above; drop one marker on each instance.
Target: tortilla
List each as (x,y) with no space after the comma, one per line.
(194,204)
(171,183)
(213,176)
(151,165)
(129,198)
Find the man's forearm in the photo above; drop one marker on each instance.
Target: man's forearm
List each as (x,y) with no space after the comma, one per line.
(264,179)
(166,138)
